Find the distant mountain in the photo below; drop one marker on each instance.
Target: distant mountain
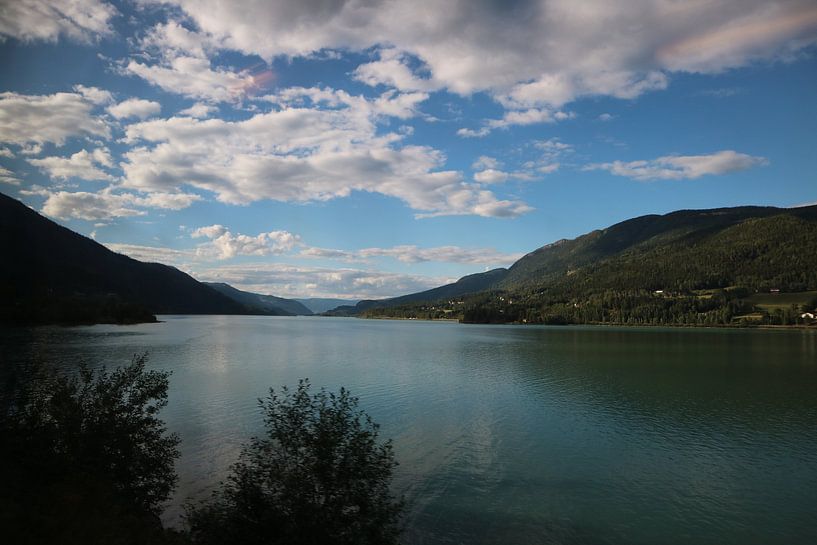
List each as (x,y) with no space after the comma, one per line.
(275,306)
(467,284)
(51,274)
(319,305)
(688,267)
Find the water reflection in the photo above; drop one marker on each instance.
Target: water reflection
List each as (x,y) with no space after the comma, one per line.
(512,434)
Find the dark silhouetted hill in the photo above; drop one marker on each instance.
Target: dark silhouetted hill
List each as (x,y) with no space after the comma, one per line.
(51,274)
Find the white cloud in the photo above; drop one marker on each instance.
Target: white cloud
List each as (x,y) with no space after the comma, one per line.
(414,254)
(172,39)
(8,177)
(474,133)
(178,62)
(195,78)
(37,119)
(392,70)
(223,244)
(530,54)
(199,110)
(530,116)
(484,162)
(87,206)
(106,204)
(297,281)
(318,144)
(82,165)
(681,167)
(5,152)
(491,176)
(286,280)
(94,95)
(135,107)
(548,168)
(30,20)
(606,117)
(152,254)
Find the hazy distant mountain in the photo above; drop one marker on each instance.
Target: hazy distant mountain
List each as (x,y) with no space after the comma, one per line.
(51,274)
(319,305)
(276,306)
(467,284)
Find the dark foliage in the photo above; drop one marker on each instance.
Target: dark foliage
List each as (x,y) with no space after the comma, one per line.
(85,458)
(319,476)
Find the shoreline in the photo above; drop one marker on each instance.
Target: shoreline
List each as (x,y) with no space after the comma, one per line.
(812,327)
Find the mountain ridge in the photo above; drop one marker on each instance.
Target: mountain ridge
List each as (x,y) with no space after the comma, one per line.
(56,275)
(685,253)
(275,306)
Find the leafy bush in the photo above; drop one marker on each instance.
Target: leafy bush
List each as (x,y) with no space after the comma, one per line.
(319,476)
(85,458)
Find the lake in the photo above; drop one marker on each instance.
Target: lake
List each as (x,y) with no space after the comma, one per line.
(510,434)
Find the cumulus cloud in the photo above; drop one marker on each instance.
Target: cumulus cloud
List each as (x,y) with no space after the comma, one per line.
(556,52)
(94,95)
(135,107)
(195,78)
(484,161)
(48,20)
(37,119)
(83,165)
(106,204)
(393,70)
(199,110)
(5,152)
(319,144)
(681,167)
(177,60)
(223,244)
(491,176)
(474,133)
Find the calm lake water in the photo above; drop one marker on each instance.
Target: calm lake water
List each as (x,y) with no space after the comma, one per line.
(510,434)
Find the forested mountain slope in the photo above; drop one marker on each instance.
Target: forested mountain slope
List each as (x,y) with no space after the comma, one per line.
(686,267)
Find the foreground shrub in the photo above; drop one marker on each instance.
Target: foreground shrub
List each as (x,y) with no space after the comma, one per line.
(319,476)
(85,458)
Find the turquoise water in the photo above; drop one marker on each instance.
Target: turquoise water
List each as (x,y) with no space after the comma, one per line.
(511,434)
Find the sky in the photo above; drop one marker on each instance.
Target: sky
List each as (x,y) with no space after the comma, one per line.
(367,149)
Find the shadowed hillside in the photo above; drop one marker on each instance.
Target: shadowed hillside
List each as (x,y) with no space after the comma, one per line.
(53,275)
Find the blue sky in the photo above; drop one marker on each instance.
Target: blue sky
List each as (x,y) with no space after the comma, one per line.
(370,149)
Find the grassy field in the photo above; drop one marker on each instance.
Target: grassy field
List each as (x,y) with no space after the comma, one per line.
(773,301)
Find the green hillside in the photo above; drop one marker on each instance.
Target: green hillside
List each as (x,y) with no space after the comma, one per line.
(689,267)
(473,283)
